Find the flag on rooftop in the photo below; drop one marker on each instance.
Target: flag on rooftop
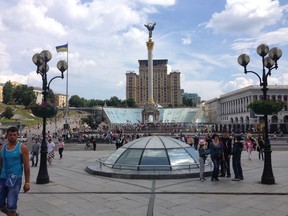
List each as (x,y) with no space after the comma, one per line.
(62,48)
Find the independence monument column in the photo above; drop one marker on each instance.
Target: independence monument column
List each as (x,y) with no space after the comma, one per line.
(150,112)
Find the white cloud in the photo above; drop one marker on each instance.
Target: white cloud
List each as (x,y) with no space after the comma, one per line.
(246,16)
(187,40)
(14,77)
(237,83)
(107,38)
(206,89)
(159,2)
(31,17)
(4,59)
(271,38)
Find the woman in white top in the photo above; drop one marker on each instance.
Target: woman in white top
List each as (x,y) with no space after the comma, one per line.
(50,149)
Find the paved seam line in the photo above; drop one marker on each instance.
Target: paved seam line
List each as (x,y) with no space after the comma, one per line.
(151,200)
(167,193)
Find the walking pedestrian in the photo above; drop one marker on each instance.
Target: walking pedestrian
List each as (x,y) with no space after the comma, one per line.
(202,158)
(93,139)
(61,145)
(35,152)
(51,150)
(14,159)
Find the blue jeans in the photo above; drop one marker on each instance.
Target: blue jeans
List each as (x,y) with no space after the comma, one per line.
(9,195)
(216,164)
(236,162)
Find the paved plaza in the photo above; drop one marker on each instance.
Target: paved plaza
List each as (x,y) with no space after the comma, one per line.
(72,191)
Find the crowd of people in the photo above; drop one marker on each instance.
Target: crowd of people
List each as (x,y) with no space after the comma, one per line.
(222,149)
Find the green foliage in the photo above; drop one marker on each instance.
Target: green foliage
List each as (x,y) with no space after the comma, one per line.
(24,95)
(76,101)
(51,98)
(114,101)
(8,113)
(93,102)
(268,107)
(8,93)
(131,102)
(21,94)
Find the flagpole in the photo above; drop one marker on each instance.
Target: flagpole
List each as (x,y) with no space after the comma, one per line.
(67,105)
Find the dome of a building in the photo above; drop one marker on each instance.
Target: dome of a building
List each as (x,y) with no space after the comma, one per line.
(150,157)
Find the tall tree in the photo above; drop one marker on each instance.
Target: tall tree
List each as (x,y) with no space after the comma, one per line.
(131,102)
(76,101)
(114,101)
(8,93)
(24,95)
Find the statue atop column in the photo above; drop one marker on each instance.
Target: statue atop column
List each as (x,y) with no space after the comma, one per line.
(150,27)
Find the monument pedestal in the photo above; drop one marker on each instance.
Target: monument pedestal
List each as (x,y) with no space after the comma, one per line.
(150,112)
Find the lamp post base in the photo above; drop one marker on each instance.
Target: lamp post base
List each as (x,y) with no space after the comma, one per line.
(43,176)
(42,180)
(267,176)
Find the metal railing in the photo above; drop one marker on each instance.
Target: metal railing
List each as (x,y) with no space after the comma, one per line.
(154,168)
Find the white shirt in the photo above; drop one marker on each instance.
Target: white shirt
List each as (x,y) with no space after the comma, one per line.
(51,146)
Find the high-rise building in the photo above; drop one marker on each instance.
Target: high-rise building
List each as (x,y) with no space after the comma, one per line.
(166,87)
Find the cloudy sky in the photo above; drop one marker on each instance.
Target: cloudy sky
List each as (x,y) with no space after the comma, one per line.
(200,38)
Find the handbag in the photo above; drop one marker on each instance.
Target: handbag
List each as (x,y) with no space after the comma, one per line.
(11,179)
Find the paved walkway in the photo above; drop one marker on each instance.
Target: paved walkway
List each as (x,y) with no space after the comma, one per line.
(72,191)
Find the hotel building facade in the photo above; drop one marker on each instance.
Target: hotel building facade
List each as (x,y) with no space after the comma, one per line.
(166,87)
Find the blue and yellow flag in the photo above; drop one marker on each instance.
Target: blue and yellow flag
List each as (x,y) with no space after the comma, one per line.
(62,48)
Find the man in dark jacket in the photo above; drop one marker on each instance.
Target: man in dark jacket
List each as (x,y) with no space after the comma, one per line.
(226,143)
(236,159)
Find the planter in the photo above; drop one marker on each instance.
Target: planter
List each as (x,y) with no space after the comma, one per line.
(48,112)
(266,107)
(268,110)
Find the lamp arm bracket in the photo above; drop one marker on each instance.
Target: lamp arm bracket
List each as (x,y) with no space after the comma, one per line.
(255,74)
(39,72)
(53,79)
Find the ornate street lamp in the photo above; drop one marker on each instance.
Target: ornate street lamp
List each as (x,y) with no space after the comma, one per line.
(40,60)
(268,64)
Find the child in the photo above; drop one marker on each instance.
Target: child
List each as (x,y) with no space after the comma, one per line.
(202,158)
(249,146)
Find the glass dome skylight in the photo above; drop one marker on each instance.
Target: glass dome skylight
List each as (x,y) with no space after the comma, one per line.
(154,153)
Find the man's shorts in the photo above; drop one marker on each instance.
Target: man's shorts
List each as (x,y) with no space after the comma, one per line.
(9,195)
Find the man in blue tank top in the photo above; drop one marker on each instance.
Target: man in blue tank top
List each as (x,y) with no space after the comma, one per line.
(14,157)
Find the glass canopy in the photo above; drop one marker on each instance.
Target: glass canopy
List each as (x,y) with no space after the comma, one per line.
(154,153)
